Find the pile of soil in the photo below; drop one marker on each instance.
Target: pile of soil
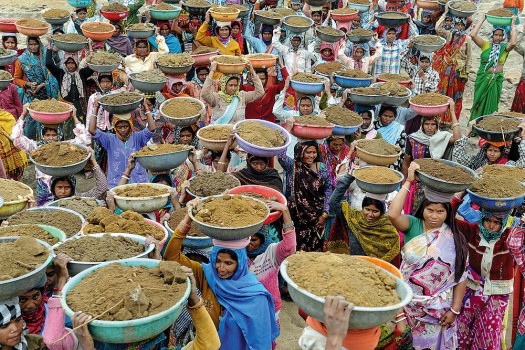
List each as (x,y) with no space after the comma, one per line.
(49,106)
(498,124)
(176,60)
(4,52)
(262,56)
(11,190)
(361,32)
(230,211)
(162,7)
(429,99)
(177,216)
(392,15)
(98,27)
(369,91)
(129,292)
(270,14)
(140,190)
(83,206)
(329,30)
(427,40)
(151,76)
(393,77)
(308,78)
(179,108)
(197,3)
(226,9)
(216,132)
(106,248)
(497,187)
(122,98)
(223,59)
(513,114)
(284,11)
(342,116)
(329,67)
(377,175)
(378,146)
(70,38)
(297,21)
(21,257)
(311,120)
(359,2)
(517,173)
(463,6)
(258,196)
(141,26)
(34,231)
(445,172)
(104,220)
(55,13)
(115,7)
(325,274)
(391,88)
(261,135)
(203,49)
(4,75)
(353,73)
(158,149)
(500,13)
(32,23)
(103,58)
(344,11)
(241,8)
(67,222)
(211,184)
(59,154)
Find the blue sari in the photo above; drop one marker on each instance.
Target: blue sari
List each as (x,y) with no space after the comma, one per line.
(35,70)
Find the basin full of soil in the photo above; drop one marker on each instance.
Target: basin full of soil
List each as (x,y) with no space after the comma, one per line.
(49,106)
(223,59)
(98,27)
(70,38)
(501,12)
(261,135)
(270,14)
(377,175)
(128,292)
(498,123)
(308,78)
(202,50)
(83,206)
(21,257)
(140,190)
(103,58)
(151,76)
(342,116)
(354,73)
(59,154)
(391,88)
(325,274)
(162,7)
(32,23)
(176,218)
(4,75)
(328,68)
(378,147)
(517,173)
(329,30)
(176,60)
(197,3)
(55,13)
(429,99)
(100,249)
(230,211)
(211,184)
(361,32)
(158,149)
(216,132)
(34,231)
(122,98)
(115,7)
(297,21)
(444,172)
(311,120)
(181,108)
(11,190)
(498,187)
(141,26)
(427,40)
(393,77)
(463,6)
(67,222)
(368,91)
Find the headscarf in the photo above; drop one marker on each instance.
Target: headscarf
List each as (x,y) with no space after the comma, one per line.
(437,143)
(371,126)
(72,182)
(331,56)
(115,121)
(68,77)
(191,128)
(35,322)
(174,79)
(489,235)
(238,37)
(120,43)
(266,29)
(311,98)
(358,64)
(196,79)
(265,242)
(481,159)
(448,26)
(398,31)
(240,296)
(141,41)
(225,78)
(268,177)
(458,32)
(495,50)
(427,27)
(171,40)
(223,41)
(9,311)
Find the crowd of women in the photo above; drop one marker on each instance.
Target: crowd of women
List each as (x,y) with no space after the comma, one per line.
(462,264)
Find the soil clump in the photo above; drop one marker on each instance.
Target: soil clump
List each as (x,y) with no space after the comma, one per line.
(342,116)
(270,14)
(361,32)
(497,187)
(391,88)
(115,7)
(429,99)
(377,175)
(329,67)
(393,77)
(353,73)
(368,91)
(121,98)
(49,106)
(359,2)
(344,11)
(5,52)
(83,206)
(34,231)
(261,135)
(181,108)
(226,9)
(176,60)
(498,124)
(59,154)
(21,257)
(285,11)
(513,114)
(67,222)
(224,59)
(230,211)
(503,12)
(70,38)
(211,184)
(197,3)
(176,218)
(329,30)
(427,39)
(4,75)
(378,146)
(311,120)
(261,56)
(158,149)
(98,27)
(512,172)
(203,49)
(308,78)
(445,172)
(11,190)
(162,7)
(141,26)
(298,21)
(392,15)
(216,132)
(151,76)
(463,6)
(103,58)
(32,23)
(55,13)
(105,248)
(139,190)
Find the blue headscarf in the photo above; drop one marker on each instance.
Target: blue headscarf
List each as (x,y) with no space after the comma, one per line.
(265,242)
(171,41)
(486,215)
(248,321)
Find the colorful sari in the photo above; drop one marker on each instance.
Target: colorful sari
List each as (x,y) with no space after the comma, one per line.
(416,194)
(35,70)
(518,104)
(429,267)
(13,159)
(331,160)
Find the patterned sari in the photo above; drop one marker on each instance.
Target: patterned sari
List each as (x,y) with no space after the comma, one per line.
(416,194)
(428,267)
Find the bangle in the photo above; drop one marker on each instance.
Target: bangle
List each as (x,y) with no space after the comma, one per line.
(288,225)
(325,215)
(125,176)
(405,188)
(401,314)
(401,319)
(222,163)
(454,311)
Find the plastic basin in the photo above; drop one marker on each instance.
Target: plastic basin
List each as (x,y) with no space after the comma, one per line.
(391,22)
(174,70)
(69,46)
(359,39)
(96,36)
(378,188)
(57,21)
(370,100)
(445,186)
(51,118)
(361,317)
(7,25)
(406,83)
(123,108)
(496,136)
(459,13)
(430,48)
(213,145)
(329,38)
(258,63)
(394,100)
(76,267)
(203,59)
(227,233)
(306,88)
(495,204)
(499,21)
(260,18)
(345,17)
(131,331)
(142,204)
(79,3)
(140,34)
(348,82)
(30,31)
(192,241)
(195,10)
(428,5)
(225,68)
(145,86)
(263,151)
(103,68)
(21,284)
(115,16)
(64,170)
(225,17)
(183,121)
(297,29)
(161,162)
(12,207)
(359,7)
(376,159)
(311,132)
(266,192)
(164,15)
(429,110)
(344,130)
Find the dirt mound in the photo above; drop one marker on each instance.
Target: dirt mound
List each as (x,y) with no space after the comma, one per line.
(261,135)
(378,146)
(176,218)
(210,184)
(59,154)
(498,124)
(444,171)
(67,222)
(498,187)
(342,116)
(34,231)
(377,175)
(83,206)
(21,257)
(230,211)
(106,248)
(139,190)
(11,190)
(158,149)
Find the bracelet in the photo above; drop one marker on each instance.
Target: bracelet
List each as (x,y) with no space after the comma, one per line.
(196,306)
(222,163)
(325,215)
(455,124)
(401,319)
(288,225)
(401,314)
(407,189)
(125,176)
(454,311)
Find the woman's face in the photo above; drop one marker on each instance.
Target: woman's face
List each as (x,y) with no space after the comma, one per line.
(359,53)
(434,215)
(63,189)
(255,242)
(391,36)
(34,46)
(336,145)
(426,19)
(387,117)
(258,165)
(50,136)
(11,333)
(202,75)
(123,128)
(142,49)
(309,155)
(305,106)
(225,265)
(177,87)
(448,21)
(430,127)
(164,30)
(492,224)
(296,41)
(224,32)
(316,17)
(105,84)
(326,52)
(235,29)
(30,301)
(10,43)
(71,65)
(371,213)
(117,31)
(493,153)
(186,137)
(82,15)
(232,86)
(460,26)
(367,120)
(497,36)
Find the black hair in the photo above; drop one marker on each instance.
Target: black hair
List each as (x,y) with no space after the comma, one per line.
(63,178)
(252,158)
(47,128)
(189,129)
(143,41)
(460,242)
(217,154)
(388,108)
(308,144)
(5,37)
(198,69)
(105,75)
(376,203)
(81,9)
(234,77)
(230,252)
(368,112)
(161,177)
(318,12)
(262,71)
(391,29)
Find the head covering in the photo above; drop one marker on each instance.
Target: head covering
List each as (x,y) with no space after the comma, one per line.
(224,41)
(98,45)
(265,242)
(437,197)
(266,28)
(485,215)
(330,57)
(311,98)
(116,119)
(371,126)
(196,79)
(437,143)
(495,50)
(9,311)
(445,25)
(120,43)
(358,63)
(238,37)
(458,32)
(72,182)
(68,77)
(268,177)
(35,321)
(481,159)
(240,295)
(397,30)
(422,26)
(225,78)
(142,41)
(174,79)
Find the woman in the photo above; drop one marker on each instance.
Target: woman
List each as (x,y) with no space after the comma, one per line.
(118,42)
(390,59)
(194,88)
(308,191)
(456,60)
(391,131)
(230,291)
(518,104)
(427,142)
(489,80)
(175,86)
(434,261)
(257,172)
(186,135)
(13,159)
(10,42)
(143,59)
(171,40)
(222,41)
(358,60)
(229,104)
(10,100)
(515,244)
(333,152)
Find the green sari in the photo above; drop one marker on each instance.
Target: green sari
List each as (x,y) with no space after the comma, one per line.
(488,86)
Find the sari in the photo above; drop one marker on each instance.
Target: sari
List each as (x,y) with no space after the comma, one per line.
(429,268)
(13,159)
(35,70)
(332,160)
